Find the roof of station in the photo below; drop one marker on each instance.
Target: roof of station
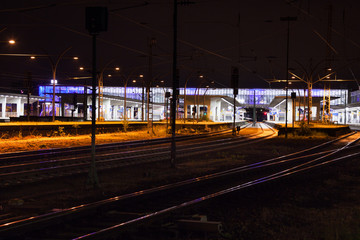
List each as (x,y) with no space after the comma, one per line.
(279,99)
(18,95)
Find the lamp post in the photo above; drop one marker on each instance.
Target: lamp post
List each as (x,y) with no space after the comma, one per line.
(100,91)
(54,68)
(125,107)
(141,76)
(196,102)
(288,19)
(186,82)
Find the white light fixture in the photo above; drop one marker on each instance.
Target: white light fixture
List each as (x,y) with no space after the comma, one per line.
(52,81)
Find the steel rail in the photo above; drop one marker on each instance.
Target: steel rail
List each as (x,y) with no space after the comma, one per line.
(281,174)
(46,153)
(107,201)
(47,167)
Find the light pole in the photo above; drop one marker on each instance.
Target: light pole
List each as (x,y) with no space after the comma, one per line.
(125,107)
(207,88)
(234,85)
(141,76)
(100,93)
(185,107)
(54,68)
(288,19)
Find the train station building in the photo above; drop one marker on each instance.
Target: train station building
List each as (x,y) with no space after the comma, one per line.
(216,104)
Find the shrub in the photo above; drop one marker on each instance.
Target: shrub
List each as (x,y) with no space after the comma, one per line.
(125,125)
(304,130)
(76,126)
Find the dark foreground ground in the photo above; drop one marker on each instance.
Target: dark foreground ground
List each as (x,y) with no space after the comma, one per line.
(321,204)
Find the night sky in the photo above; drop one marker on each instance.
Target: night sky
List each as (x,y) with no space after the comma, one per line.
(214,35)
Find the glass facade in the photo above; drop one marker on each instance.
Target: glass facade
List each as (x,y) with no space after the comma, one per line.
(355,96)
(263,97)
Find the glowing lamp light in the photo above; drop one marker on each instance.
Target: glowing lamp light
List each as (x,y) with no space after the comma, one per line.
(11,41)
(141,75)
(134,81)
(76,58)
(109,75)
(117,69)
(32,57)
(81,68)
(52,81)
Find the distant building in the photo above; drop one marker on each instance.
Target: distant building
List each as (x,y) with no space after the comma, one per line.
(215,104)
(16,105)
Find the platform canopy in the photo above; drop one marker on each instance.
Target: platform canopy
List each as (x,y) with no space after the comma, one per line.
(279,99)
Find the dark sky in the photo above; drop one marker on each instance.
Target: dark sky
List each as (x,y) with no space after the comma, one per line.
(214,35)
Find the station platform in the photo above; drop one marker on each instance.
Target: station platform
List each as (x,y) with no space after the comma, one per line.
(23,129)
(332,130)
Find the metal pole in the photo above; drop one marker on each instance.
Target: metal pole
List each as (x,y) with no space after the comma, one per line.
(53,98)
(234,130)
(28,95)
(99,100)
(288,19)
(293,112)
(167,109)
(54,67)
(93,177)
(345,106)
(287,78)
(174,88)
(185,107)
(142,101)
(125,108)
(85,100)
(254,110)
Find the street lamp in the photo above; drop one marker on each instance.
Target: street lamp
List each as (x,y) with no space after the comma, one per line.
(288,19)
(100,91)
(141,76)
(54,68)
(186,82)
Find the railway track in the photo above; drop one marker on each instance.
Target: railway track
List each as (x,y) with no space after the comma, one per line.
(107,218)
(30,167)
